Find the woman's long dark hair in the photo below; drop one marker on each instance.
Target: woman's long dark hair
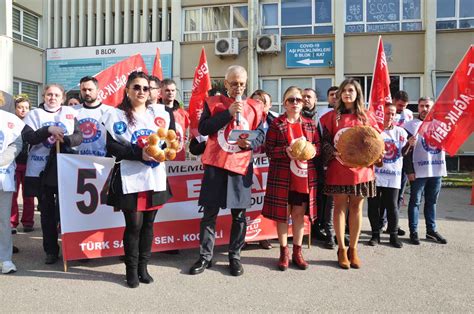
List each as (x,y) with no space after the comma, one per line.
(359,107)
(126,105)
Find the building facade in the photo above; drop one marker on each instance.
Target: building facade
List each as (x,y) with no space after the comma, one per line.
(424,39)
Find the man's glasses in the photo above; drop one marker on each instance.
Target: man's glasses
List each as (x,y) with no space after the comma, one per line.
(138,88)
(294,100)
(237,84)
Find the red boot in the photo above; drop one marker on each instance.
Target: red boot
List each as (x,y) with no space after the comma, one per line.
(297,257)
(284,260)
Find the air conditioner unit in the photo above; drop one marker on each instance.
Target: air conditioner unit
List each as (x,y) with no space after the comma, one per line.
(226,46)
(268,43)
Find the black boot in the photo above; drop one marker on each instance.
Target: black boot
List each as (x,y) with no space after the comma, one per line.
(375,239)
(395,241)
(143,274)
(132,277)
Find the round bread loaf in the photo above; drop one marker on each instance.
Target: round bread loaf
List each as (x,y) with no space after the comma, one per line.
(360,146)
(160,156)
(301,149)
(171,135)
(153,139)
(162,133)
(308,152)
(170,153)
(152,150)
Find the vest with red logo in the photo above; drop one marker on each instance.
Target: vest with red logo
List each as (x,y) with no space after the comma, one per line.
(181,118)
(38,118)
(222,153)
(337,173)
(298,168)
(10,129)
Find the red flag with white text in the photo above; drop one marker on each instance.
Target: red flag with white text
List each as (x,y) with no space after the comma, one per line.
(451,120)
(201,87)
(157,68)
(380,89)
(113,79)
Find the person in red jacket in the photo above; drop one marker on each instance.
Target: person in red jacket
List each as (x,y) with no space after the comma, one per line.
(291,185)
(348,186)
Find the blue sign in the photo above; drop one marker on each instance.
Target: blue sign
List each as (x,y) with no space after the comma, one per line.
(66,66)
(309,54)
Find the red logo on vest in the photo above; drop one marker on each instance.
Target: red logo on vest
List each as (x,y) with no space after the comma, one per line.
(160,122)
(11,125)
(69,116)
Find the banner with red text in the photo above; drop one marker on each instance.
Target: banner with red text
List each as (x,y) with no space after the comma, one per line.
(113,79)
(380,89)
(451,120)
(91,229)
(201,87)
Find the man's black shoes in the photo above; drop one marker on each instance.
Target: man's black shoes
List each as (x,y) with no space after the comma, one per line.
(435,236)
(414,239)
(236,268)
(200,266)
(51,259)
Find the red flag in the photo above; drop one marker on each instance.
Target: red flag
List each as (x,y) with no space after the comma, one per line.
(201,87)
(451,120)
(113,79)
(157,68)
(380,89)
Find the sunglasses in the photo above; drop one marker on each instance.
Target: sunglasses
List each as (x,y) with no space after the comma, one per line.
(138,88)
(294,100)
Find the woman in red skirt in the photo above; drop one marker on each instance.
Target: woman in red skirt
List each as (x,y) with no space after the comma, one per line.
(291,185)
(348,186)
(138,186)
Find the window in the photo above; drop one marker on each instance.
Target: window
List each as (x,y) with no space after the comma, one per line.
(454,14)
(297,17)
(31,89)
(441,81)
(410,84)
(208,23)
(383,16)
(277,86)
(25,27)
(187,85)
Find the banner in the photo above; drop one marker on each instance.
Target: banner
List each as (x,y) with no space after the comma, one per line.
(201,87)
(157,68)
(380,88)
(113,79)
(91,229)
(451,120)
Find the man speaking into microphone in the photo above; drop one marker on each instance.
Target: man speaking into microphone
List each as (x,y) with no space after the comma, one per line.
(228,166)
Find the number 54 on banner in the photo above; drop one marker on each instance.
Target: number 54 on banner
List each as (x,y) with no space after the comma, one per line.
(83,186)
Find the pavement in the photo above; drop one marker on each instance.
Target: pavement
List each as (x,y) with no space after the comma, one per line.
(426,278)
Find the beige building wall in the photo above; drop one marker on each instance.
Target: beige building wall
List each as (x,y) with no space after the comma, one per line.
(406,58)
(28,63)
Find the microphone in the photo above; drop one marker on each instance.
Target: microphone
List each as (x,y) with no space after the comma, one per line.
(237,115)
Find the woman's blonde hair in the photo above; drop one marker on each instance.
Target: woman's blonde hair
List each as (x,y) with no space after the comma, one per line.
(290,90)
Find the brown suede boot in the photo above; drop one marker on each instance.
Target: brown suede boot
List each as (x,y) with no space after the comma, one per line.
(284,260)
(342,258)
(297,257)
(354,258)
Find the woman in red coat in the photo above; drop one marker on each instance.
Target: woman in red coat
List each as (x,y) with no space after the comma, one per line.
(349,186)
(291,185)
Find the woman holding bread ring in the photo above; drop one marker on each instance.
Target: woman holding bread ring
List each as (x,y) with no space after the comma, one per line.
(138,186)
(348,185)
(291,143)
